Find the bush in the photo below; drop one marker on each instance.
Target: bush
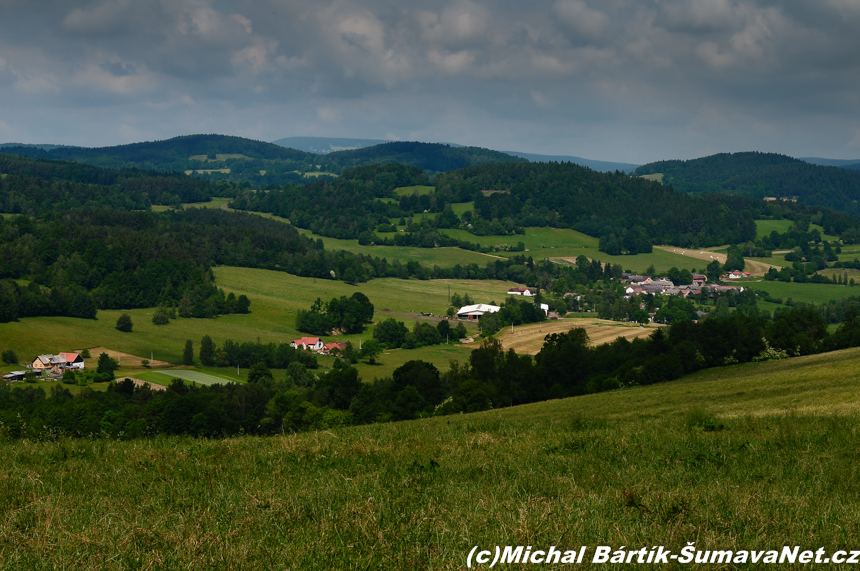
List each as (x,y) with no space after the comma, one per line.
(124,323)
(161,317)
(9,357)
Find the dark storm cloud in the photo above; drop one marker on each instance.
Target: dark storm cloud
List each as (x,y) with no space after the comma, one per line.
(615,79)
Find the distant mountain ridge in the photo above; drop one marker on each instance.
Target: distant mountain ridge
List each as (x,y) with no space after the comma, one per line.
(850,163)
(761,175)
(600,166)
(325,145)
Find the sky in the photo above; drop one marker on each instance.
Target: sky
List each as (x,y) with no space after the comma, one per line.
(618,80)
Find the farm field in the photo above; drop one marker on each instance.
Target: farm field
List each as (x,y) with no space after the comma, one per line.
(529,338)
(808,293)
(275,297)
(164,377)
(755,266)
(746,457)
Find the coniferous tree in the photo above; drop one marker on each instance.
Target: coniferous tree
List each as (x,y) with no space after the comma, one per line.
(207,351)
(188,354)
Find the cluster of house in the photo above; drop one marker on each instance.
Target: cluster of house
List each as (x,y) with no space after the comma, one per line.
(661,286)
(316,345)
(55,364)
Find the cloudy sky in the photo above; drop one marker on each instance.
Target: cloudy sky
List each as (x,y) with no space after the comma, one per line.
(623,80)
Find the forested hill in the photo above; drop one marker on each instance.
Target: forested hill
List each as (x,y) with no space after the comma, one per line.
(170,154)
(613,205)
(431,157)
(761,175)
(36,186)
(261,165)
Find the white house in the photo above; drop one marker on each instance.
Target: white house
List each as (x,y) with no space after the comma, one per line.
(526,291)
(73,360)
(312,343)
(473,312)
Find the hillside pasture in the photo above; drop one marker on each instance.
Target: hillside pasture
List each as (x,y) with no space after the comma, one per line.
(748,457)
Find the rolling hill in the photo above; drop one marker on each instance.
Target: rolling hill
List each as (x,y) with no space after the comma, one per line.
(761,175)
(431,157)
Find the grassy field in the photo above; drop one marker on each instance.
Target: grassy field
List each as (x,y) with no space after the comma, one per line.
(746,457)
(765,227)
(809,293)
(275,298)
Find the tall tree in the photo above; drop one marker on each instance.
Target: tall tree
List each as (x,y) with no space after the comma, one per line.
(207,351)
(188,354)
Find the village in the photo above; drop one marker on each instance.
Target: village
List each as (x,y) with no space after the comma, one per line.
(52,366)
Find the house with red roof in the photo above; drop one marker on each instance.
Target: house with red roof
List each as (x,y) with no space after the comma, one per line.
(308,343)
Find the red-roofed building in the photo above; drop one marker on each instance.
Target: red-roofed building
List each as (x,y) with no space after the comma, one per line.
(329,347)
(73,360)
(312,343)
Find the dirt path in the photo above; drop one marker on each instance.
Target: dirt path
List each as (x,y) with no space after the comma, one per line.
(529,338)
(755,268)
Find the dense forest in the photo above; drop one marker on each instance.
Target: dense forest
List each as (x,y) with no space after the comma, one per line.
(141,259)
(37,186)
(598,204)
(761,175)
(492,378)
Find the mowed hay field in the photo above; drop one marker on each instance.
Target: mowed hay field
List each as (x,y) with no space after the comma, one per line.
(749,457)
(529,338)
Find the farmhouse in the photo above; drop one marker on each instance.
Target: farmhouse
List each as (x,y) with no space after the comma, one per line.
(735,275)
(474,312)
(312,343)
(526,291)
(329,347)
(59,361)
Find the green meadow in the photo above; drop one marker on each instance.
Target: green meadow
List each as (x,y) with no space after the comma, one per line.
(748,457)
(805,292)
(765,227)
(275,298)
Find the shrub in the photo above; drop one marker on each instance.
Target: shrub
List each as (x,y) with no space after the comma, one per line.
(9,357)
(124,323)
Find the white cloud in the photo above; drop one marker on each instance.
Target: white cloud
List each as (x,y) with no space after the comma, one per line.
(245,22)
(586,22)
(451,63)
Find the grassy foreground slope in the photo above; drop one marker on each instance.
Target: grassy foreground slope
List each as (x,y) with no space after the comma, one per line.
(771,463)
